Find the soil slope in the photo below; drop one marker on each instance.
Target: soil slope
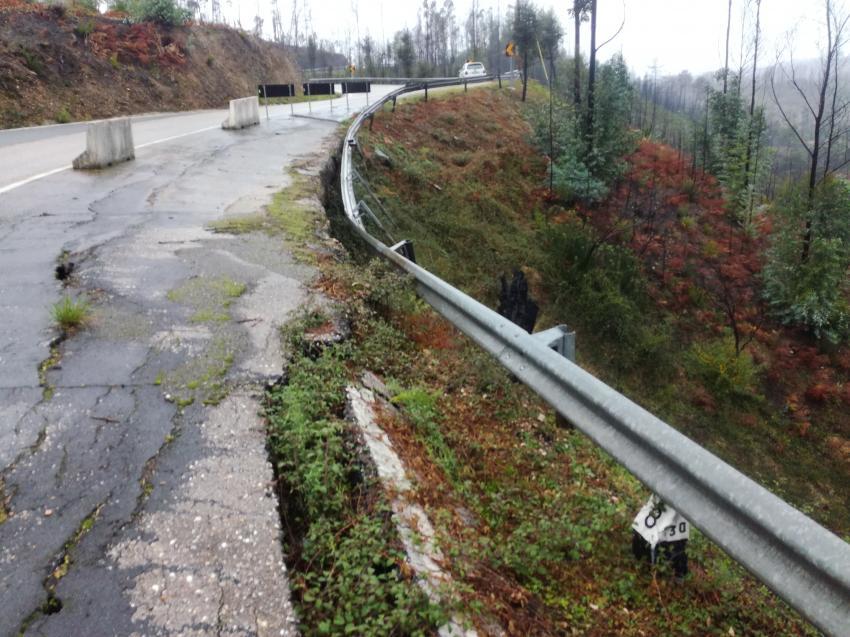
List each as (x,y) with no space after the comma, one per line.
(56,65)
(469,190)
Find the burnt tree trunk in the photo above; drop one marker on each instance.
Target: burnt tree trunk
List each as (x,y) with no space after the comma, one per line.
(515,303)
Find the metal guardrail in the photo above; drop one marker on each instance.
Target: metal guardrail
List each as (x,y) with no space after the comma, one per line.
(407,81)
(802,562)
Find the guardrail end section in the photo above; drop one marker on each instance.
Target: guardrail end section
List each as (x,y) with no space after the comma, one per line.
(561,339)
(405,249)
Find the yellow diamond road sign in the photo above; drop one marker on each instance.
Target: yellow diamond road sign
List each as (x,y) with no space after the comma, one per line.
(510,50)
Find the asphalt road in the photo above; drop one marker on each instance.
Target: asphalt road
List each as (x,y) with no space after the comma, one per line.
(133,469)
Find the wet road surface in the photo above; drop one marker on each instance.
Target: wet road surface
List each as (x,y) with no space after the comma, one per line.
(135,487)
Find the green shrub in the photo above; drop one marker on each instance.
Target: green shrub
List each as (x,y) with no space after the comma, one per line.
(84,28)
(723,371)
(166,12)
(32,60)
(461,159)
(62,116)
(601,288)
(811,293)
(574,182)
(346,576)
(420,405)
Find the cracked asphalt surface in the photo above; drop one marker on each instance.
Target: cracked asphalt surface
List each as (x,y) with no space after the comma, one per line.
(138,487)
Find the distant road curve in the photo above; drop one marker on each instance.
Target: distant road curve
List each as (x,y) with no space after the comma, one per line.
(30,154)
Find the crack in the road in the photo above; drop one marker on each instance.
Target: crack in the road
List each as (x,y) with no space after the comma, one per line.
(120,405)
(60,567)
(63,467)
(219,620)
(146,478)
(48,364)
(206,158)
(31,449)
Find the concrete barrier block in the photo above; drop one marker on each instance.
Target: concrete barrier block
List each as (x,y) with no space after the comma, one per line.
(243,112)
(107,142)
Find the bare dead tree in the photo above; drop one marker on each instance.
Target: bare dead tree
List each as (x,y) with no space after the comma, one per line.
(591,71)
(752,123)
(726,62)
(579,13)
(591,67)
(825,118)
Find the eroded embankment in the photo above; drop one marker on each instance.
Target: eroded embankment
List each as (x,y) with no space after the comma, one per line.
(59,64)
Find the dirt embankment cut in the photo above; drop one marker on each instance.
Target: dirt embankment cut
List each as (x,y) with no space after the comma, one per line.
(56,66)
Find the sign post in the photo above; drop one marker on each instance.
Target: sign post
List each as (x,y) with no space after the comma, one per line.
(659,525)
(510,52)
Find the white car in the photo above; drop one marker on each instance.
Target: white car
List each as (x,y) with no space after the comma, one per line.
(472,69)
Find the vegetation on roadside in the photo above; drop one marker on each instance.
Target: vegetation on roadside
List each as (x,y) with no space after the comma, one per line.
(347,568)
(201,377)
(663,286)
(292,214)
(70,313)
(61,62)
(166,12)
(533,519)
(4,502)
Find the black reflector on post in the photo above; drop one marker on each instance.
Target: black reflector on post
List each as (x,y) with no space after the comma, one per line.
(276,90)
(405,249)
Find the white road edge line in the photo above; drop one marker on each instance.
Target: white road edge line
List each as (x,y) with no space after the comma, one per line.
(168,139)
(24,182)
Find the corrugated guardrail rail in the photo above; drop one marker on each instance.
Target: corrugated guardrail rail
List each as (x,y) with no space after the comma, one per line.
(802,562)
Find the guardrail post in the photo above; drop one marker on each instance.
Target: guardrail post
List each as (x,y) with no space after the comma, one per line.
(345,90)
(371,121)
(266,101)
(562,340)
(405,249)
(394,98)
(465,86)
(426,91)
(500,80)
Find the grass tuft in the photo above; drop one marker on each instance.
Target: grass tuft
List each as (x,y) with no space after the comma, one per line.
(70,314)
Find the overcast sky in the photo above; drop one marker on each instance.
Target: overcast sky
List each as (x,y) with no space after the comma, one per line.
(678,34)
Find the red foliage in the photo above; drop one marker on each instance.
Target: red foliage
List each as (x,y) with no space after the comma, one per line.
(701,398)
(139,43)
(9,6)
(429,331)
(819,392)
(676,221)
(704,268)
